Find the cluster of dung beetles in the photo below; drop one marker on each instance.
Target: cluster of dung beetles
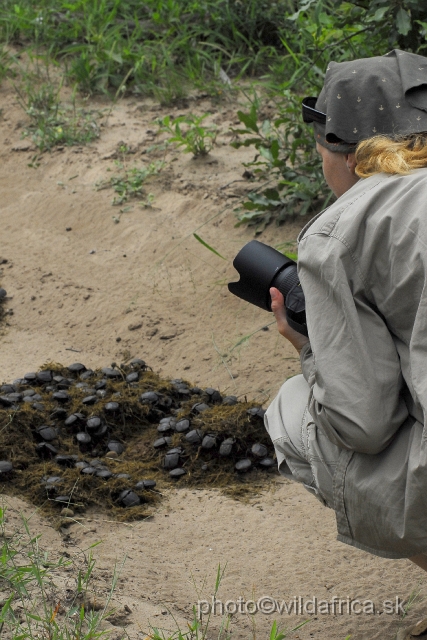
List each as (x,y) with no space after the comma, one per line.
(75,437)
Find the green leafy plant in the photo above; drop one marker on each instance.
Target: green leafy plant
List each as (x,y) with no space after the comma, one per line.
(33,609)
(165,48)
(194,137)
(286,162)
(129,183)
(53,123)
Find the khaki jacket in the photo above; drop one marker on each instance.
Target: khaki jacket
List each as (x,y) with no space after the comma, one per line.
(363,268)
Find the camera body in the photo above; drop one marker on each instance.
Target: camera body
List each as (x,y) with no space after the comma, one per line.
(261,267)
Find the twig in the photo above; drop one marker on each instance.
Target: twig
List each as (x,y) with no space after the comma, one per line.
(222,360)
(228,184)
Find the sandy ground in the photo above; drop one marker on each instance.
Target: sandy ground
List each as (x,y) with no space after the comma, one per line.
(144,287)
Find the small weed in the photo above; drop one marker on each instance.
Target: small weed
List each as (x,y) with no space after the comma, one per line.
(6,64)
(194,137)
(129,184)
(52,123)
(34,607)
(199,628)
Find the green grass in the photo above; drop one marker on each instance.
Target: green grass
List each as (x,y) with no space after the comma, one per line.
(129,182)
(33,609)
(154,47)
(194,137)
(52,123)
(164,47)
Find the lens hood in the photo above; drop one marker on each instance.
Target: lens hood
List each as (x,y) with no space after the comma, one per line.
(258,265)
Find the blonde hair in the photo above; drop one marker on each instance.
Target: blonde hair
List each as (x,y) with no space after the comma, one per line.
(394,155)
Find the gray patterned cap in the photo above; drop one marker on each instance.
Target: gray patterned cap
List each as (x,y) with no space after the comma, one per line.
(371,96)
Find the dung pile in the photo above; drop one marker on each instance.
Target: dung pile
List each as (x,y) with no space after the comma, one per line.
(113,438)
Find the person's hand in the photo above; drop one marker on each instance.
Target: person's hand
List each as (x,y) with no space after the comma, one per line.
(278,308)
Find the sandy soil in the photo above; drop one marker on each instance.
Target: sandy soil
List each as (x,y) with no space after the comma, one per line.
(103,292)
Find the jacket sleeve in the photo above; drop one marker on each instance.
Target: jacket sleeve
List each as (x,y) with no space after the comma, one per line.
(351,363)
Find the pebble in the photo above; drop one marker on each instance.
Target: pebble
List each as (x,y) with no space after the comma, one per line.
(229,400)
(3,293)
(67,513)
(90,400)
(112,455)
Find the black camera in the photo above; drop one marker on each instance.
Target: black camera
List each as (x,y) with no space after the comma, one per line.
(261,267)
